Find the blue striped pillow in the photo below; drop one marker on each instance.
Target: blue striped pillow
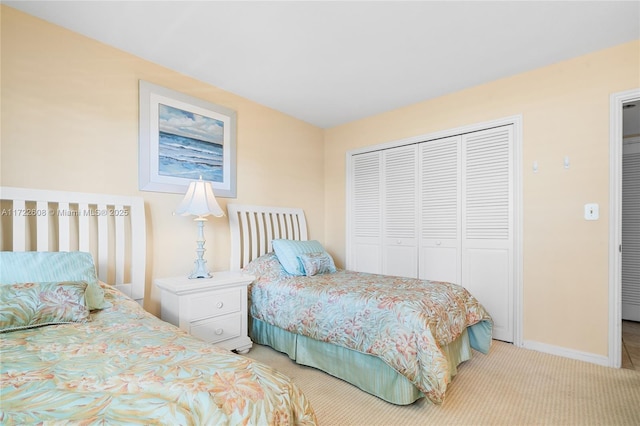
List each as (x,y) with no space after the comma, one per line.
(40,266)
(289,250)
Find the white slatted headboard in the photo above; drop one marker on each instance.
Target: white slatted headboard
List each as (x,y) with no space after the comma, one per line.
(110,227)
(253,228)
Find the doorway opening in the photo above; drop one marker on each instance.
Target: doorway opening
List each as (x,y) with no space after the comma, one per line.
(624,125)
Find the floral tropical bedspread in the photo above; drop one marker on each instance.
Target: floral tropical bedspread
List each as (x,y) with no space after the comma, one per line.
(125,366)
(403,321)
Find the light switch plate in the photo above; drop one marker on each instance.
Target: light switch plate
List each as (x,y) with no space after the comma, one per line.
(591,211)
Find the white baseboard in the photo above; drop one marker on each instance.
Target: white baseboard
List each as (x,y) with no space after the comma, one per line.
(567,353)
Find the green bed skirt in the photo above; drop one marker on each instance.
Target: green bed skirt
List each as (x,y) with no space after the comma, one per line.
(365,371)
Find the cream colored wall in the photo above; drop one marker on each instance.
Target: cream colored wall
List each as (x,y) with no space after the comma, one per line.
(70,122)
(565,111)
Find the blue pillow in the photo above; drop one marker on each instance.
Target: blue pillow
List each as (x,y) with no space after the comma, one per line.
(289,250)
(40,266)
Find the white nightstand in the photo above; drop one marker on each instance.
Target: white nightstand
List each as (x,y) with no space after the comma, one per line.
(213,309)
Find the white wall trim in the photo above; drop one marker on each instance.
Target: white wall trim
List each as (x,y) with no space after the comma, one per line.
(566,353)
(615,222)
(516,121)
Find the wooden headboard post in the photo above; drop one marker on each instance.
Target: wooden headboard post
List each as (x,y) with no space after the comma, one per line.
(110,227)
(254,227)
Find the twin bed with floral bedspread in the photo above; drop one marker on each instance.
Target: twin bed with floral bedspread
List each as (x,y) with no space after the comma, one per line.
(74,350)
(406,323)
(400,339)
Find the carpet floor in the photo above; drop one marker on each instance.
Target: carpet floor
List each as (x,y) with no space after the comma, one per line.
(509,386)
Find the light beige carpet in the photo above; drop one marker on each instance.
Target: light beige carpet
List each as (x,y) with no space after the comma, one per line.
(509,386)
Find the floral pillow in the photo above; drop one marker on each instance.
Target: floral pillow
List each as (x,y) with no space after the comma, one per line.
(27,305)
(265,267)
(317,263)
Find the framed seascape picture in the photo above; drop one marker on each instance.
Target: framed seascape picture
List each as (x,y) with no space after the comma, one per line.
(183,138)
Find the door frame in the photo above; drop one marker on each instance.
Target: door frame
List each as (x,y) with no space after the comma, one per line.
(615,222)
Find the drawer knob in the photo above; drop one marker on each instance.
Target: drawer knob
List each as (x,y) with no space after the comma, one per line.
(219,305)
(219,331)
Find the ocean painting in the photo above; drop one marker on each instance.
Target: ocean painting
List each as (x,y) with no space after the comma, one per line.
(190,145)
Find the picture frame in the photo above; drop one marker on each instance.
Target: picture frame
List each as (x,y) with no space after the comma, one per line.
(183,138)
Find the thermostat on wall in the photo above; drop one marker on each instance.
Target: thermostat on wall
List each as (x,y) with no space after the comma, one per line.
(591,211)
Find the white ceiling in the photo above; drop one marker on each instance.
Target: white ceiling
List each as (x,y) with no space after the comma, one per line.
(331,62)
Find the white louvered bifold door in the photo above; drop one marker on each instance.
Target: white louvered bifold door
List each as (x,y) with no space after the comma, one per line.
(440,219)
(366,210)
(631,230)
(399,217)
(488,223)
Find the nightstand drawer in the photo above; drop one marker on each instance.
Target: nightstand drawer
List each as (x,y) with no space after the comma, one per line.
(214,330)
(211,304)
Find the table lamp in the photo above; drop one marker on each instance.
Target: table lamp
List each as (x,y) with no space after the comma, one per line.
(200,202)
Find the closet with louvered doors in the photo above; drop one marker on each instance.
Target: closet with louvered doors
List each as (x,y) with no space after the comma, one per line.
(440,210)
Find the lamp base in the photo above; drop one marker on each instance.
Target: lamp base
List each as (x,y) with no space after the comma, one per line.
(200,270)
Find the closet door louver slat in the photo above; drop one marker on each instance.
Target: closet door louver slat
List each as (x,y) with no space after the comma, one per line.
(487,181)
(367,195)
(440,189)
